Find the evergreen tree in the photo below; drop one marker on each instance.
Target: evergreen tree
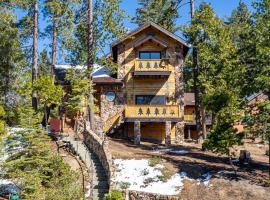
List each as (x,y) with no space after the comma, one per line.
(11,56)
(162,12)
(262,44)
(60,15)
(39,173)
(48,93)
(44,64)
(108,25)
(218,77)
(243,33)
(79,83)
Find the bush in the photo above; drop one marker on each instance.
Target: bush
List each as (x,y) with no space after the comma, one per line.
(154,161)
(114,195)
(165,176)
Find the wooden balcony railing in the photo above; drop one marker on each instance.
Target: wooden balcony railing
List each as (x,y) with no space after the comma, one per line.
(156,65)
(152,111)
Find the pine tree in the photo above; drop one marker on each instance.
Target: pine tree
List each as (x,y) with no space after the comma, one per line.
(60,15)
(243,33)
(10,53)
(48,93)
(261,40)
(218,77)
(162,12)
(44,64)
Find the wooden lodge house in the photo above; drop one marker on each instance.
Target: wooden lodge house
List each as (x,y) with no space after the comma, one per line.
(145,99)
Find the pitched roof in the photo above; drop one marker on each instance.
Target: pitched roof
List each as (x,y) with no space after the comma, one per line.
(107,81)
(146,25)
(98,71)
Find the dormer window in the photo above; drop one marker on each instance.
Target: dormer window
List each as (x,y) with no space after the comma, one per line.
(149,55)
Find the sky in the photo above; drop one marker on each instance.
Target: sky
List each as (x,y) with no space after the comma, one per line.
(223,9)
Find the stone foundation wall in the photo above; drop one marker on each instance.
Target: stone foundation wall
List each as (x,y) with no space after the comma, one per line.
(136,195)
(100,148)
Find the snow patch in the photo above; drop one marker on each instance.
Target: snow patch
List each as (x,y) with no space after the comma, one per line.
(141,177)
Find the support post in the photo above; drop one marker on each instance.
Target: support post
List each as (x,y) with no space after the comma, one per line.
(137,132)
(189,134)
(168,129)
(179,135)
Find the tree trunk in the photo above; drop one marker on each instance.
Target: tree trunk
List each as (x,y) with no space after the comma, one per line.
(54,46)
(204,124)
(35,54)
(195,77)
(90,61)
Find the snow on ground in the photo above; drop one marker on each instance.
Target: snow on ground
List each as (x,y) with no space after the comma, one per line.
(178,152)
(6,186)
(143,177)
(139,176)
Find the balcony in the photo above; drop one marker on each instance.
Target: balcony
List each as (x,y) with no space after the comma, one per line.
(152,113)
(191,119)
(157,67)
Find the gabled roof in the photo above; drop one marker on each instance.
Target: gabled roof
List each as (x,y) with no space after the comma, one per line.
(146,25)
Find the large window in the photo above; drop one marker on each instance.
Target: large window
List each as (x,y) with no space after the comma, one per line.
(150,55)
(150,100)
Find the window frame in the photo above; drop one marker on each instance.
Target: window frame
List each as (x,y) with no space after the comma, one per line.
(151,97)
(150,55)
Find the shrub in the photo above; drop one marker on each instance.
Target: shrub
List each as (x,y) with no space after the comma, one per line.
(114,195)
(124,185)
(154,161)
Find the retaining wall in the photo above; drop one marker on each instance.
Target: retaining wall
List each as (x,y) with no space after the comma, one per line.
(100,148)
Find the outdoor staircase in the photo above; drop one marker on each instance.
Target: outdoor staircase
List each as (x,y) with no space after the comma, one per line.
(114,122)
(99,180)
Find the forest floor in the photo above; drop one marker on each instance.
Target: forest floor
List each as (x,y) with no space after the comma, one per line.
(249,182)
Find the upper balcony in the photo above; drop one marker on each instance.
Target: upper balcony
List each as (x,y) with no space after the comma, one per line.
(152,67)
(152,113)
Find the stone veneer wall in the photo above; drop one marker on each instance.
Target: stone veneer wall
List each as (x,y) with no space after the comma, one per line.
(109,109)
(136,195)
(100,148)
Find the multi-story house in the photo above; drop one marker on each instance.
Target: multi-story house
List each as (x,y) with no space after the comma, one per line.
(149,104)
(145,99)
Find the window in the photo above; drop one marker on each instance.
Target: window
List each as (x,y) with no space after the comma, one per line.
(150,55)
(150,100)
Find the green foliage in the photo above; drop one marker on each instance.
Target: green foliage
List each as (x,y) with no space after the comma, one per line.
(77,97)
(39,173)
(108,24)
(162,12)
(10,53)
(164,175)
(48,93)
(222,138)
(154,160)
(241,24)
(44,64)
(114,195)
(124,185)
(257,119)
(262,44)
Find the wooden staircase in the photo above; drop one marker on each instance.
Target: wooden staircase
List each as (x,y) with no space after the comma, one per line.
(114,122)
